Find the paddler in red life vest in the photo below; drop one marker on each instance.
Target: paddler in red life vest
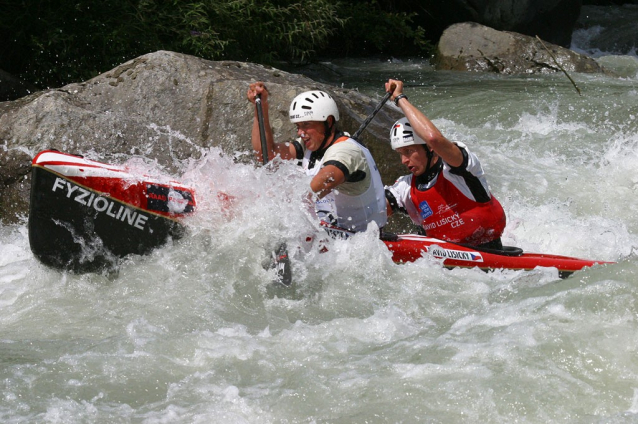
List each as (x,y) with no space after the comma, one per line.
(331,157)
(447,192)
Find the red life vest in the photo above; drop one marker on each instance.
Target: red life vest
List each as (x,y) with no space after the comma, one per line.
(447,214)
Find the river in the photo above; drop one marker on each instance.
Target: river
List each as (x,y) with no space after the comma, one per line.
(195,333)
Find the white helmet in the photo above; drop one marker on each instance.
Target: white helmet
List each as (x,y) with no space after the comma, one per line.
(402,135)
(313,106)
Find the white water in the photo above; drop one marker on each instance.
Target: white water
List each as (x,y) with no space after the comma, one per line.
(193,334)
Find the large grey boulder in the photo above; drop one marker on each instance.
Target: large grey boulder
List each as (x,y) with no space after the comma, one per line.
(15,166)
(470,46)
(166,107)
(552,20)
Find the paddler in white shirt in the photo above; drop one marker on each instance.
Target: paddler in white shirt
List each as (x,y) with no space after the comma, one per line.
(332,158)
(446,192)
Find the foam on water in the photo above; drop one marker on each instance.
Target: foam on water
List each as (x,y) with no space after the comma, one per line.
(190,333)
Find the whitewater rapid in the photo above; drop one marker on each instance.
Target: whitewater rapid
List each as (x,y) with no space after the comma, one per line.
(195,333)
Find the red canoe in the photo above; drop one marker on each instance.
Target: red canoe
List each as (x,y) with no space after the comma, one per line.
(410,247)
(85,215)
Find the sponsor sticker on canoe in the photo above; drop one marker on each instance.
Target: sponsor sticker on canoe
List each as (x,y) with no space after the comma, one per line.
(101,204)
(336,232)
(168,199)
(176,202)
(459,255)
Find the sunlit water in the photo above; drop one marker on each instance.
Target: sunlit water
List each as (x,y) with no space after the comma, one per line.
(193,333)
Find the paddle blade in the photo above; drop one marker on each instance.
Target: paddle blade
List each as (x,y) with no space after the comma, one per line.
(281,263)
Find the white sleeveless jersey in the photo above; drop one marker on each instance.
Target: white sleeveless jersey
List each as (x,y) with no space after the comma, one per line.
(353,204)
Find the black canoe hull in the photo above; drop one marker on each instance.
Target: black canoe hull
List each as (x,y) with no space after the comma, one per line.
(75,228)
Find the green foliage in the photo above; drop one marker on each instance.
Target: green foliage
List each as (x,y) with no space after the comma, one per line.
(255,30)
(54,42)
(375,28)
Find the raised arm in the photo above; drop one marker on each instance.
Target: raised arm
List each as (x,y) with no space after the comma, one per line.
(285,150)
(424,128)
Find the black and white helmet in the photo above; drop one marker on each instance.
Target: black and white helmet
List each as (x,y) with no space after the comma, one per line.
(313,106)
(402,135)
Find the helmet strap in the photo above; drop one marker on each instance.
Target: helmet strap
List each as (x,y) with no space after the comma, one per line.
(327,133)
(430,172)
(317,154)
(430,154)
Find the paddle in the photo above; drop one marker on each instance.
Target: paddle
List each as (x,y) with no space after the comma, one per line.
(384,236)
(372,115)
(280,259)
(262,129)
